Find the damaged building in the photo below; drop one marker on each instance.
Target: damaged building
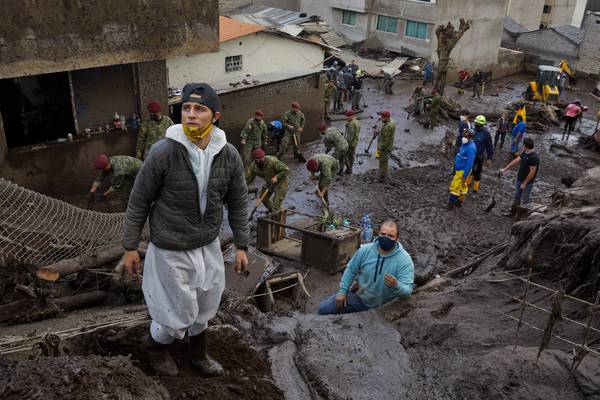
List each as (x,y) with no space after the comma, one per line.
(67,70)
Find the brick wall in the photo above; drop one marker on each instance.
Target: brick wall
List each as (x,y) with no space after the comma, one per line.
(274,100)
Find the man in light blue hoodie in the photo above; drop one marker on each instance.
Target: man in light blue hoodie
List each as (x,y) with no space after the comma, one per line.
(378,273)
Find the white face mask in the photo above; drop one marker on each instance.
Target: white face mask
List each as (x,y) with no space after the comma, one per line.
(462,118)
(465,140)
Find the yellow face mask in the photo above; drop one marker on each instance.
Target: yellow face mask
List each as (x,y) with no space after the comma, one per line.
(195,134)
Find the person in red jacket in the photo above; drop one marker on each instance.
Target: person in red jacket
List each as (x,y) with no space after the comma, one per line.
(463,77)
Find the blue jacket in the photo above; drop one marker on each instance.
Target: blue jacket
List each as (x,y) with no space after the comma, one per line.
(483,141)
(368,267)
(519,129)
(465,158)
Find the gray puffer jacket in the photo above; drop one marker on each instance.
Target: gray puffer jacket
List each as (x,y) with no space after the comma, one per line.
(166,189)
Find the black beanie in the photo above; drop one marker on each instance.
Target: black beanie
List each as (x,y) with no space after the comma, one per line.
(201,93)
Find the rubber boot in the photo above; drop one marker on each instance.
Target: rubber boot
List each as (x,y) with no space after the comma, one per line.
(461,200)
(200,358)
(451,205)
(476,186)
(513,209)
(159,358)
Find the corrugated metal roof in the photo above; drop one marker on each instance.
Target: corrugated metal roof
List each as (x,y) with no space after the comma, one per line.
(270,16)
(231,29)
(572,33)
(513,26)
(334,39)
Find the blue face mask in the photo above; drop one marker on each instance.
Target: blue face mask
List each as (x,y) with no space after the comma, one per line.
(386,243)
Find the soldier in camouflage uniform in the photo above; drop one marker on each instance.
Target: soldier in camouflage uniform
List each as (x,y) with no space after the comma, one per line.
(329,94)
(352,136)
(152,130)
(327,167)
(124,170)
(253,136)
(293,121)
(434,108)
(385,143)
(333,138)
(276,176)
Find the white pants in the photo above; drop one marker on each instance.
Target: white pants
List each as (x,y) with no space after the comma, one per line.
(182,289)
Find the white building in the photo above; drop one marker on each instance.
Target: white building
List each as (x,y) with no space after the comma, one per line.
(246,49)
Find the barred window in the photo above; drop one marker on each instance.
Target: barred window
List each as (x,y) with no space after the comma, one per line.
(233,63)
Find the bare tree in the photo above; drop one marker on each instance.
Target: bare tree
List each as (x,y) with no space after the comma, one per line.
(447,37)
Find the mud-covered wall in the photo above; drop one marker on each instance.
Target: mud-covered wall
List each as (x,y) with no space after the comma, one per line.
(66,168)
(100,92)
(274,99)
(152,85)
(42,36)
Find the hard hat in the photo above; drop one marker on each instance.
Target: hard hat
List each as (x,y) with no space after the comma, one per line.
(480,119)
(277,124)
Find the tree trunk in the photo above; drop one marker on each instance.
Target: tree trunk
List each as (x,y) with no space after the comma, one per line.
(447,37)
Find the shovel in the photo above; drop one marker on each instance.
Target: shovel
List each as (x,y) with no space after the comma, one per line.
(300,156)
(493,203)
(323,200)
(262,197)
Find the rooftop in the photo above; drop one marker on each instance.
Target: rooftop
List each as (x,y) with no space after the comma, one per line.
(232,29)
(270,16)
(572,33)
(513,26)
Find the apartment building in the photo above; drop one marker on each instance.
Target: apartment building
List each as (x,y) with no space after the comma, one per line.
(408,26)
(539,14)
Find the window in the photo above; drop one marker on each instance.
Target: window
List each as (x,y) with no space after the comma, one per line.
(387,24)
(547,9)
(416,30)
(233,63)
(348,17)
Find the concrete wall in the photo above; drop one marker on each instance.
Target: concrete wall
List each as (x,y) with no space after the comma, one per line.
(547,44)
(152,85)
(100,92)
(528,13)
(589,50)
(53,36)
(261,53)
(355,33)
(274,100)
(565,12)
(64,169)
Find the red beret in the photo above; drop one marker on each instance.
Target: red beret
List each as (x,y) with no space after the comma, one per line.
(154,107)
(322,127)
(259,112)
(349,113)
(385,114)
(312,165)
(258,154)
(296,105)
(101,162)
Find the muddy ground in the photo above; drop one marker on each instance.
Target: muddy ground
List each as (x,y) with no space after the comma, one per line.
(447,343)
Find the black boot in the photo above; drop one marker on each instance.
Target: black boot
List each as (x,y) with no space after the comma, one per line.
(200,358)
(159,358)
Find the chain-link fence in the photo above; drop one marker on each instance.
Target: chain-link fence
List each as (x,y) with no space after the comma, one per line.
(40,230)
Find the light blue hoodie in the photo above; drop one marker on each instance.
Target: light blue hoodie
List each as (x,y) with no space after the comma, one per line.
(368,266)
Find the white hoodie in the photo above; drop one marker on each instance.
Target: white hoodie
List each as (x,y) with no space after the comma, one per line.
(201,160)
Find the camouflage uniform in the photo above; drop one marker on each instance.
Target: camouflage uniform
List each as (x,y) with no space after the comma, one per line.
(151,132)
(255,135)
(124,170)
(417,101)
(333,137)
(272,167)
(329,167)
(297,121)
(329,94)
(352,136)
(385,145)
(434,109)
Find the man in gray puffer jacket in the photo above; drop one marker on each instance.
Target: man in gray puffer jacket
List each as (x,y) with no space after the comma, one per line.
(182,187)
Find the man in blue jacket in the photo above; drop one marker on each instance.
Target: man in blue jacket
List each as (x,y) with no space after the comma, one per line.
(485,147)
(378,273)
(463,165)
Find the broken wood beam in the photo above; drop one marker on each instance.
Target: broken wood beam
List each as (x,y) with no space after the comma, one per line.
(81,300)
(69,266)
